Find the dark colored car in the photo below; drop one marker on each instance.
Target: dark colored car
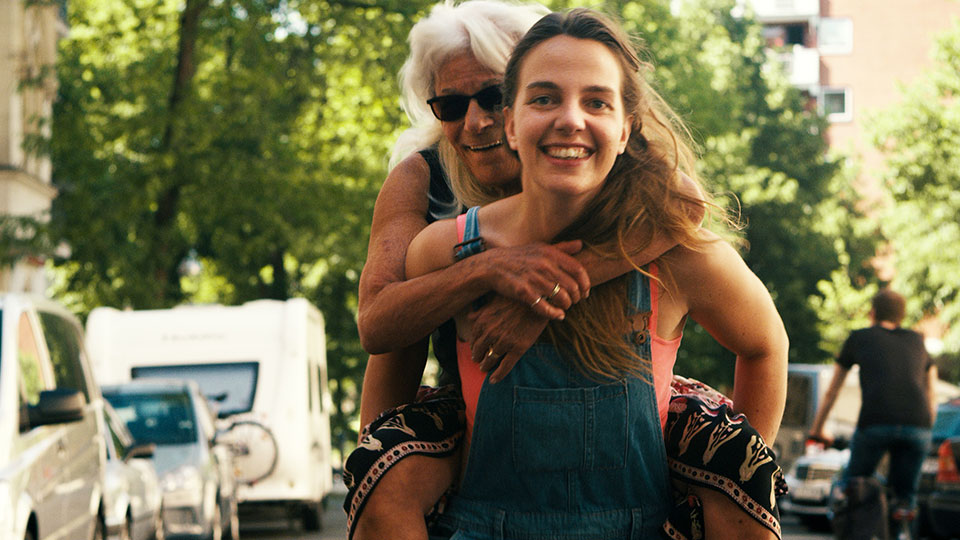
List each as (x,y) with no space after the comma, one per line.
(943,502)
(946,426)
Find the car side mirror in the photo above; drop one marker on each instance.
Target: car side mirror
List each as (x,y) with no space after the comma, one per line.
(144,451)
(58,406)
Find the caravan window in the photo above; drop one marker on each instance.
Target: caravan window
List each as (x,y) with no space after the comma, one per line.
(231,386)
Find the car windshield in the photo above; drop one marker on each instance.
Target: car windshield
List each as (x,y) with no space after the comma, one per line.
(231,386)
(797,409)
(162,419)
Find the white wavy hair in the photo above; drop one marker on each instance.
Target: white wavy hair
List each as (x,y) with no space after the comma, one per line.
(487,28)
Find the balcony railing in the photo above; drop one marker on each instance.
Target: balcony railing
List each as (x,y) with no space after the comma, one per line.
(785,10)
(802,66)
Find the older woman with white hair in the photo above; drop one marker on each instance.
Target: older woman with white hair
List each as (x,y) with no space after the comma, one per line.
(453,156)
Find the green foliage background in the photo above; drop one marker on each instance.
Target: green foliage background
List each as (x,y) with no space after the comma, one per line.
(920,138)
(252,135)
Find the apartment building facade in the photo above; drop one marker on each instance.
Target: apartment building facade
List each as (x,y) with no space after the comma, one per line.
(852,56)
(29,32)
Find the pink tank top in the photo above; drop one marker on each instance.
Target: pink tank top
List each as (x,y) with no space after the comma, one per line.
(664,352)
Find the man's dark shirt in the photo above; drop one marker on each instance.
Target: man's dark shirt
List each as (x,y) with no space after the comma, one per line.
(893,375)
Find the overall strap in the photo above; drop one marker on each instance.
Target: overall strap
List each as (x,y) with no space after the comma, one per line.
(639,291)
(471,241)
(640,302)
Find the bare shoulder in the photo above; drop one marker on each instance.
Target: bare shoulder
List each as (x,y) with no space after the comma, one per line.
(405,188)
(712,258)
(432,248)
(714,273)
(717,289)
(693,198)
(398,215)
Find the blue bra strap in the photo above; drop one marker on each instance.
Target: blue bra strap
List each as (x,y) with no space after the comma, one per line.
(472,241)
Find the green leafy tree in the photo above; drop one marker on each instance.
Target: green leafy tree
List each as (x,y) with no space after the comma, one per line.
(921,141)
(764,155)
(843,301)
(249,135)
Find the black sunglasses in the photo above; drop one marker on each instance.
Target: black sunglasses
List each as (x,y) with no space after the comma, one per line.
(453,107)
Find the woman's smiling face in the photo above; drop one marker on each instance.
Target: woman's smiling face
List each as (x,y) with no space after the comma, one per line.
(567,121)
(478,136)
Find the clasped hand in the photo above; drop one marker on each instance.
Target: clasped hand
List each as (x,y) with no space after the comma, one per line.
(533,284)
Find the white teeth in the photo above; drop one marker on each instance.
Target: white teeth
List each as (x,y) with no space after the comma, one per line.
(567,152)
(494,144)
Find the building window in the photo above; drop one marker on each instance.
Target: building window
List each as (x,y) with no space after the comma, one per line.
(782,35)
(835,35)
(837,104)
(796,34)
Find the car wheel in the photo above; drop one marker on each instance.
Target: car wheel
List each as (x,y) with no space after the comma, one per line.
(125,530)
(99,529)
(234,531)
(216,525)
(158,532)
(312,516)
(816,523)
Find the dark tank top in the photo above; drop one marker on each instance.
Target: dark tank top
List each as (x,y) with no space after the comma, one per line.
(442,204)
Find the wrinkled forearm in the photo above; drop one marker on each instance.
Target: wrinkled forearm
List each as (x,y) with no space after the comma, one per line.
(602,269)
(404,312)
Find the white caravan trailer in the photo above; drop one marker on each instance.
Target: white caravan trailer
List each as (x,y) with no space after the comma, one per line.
(262,364)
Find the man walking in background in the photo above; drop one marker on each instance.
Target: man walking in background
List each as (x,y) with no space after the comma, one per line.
(898,406)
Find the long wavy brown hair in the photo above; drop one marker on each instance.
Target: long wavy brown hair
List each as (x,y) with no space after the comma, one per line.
(640,198)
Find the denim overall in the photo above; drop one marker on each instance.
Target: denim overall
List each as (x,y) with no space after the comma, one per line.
(557,456)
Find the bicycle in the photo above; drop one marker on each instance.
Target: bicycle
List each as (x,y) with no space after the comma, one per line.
(903,521)
(866,508)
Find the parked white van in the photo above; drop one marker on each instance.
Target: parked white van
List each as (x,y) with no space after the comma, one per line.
(806,385)
(263,364)
(52,445)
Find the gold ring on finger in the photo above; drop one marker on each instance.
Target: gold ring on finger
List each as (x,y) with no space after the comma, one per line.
(537,301)
(490,352)
(555,291)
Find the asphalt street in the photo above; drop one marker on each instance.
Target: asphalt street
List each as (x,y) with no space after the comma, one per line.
(335,527)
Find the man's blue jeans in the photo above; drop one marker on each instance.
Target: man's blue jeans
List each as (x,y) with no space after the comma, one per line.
(908,446)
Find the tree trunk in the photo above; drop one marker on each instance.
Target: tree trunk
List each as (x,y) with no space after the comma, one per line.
(169,199)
